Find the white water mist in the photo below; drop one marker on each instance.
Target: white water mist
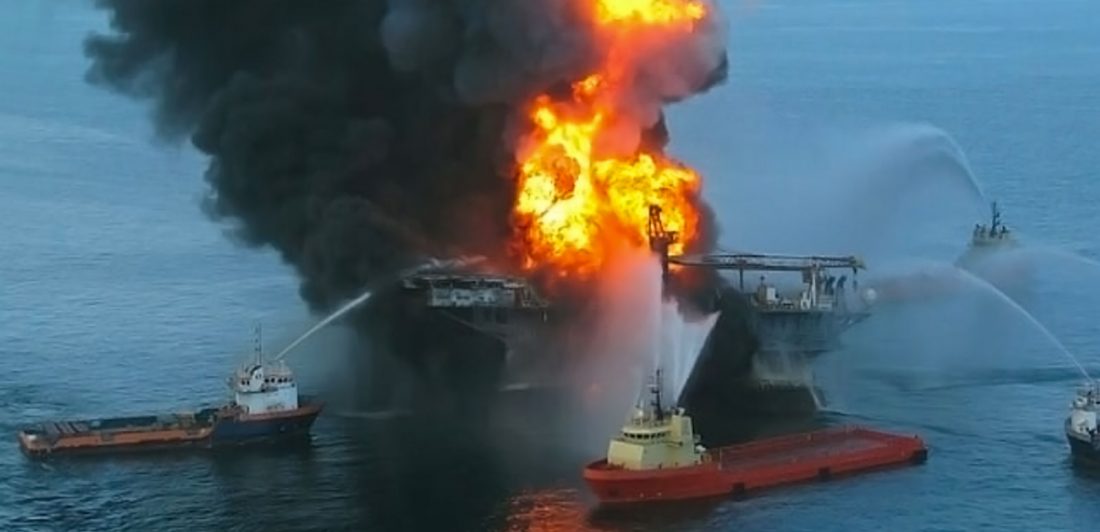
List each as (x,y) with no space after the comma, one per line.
(431,263)
(321,324)
(681,343)
(637,331)
(931,279)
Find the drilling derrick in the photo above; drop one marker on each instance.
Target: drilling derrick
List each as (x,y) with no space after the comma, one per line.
(660,240)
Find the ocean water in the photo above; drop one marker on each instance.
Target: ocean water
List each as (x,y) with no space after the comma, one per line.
(118,296)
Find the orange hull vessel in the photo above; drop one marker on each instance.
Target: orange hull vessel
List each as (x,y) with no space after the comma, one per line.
(739,469)
(265,406)
(207,428)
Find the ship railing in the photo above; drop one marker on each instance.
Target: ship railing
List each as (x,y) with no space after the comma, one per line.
(646,424)
(768,262)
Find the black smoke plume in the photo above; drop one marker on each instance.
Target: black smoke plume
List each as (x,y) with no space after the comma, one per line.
(353,136)
(358,137)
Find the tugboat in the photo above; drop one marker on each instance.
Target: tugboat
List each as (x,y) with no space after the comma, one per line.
(265,406)
(1081,430)
(993,256)
(1010,274)
(658,457)
(987,239)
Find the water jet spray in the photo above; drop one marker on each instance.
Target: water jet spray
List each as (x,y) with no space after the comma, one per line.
(430,264)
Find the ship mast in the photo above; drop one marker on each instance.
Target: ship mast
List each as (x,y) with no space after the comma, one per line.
(258,343)
(655,388)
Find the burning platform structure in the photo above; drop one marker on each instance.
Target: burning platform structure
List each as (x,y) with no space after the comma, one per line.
(463,333)
(486,301)
(805,322)
(756,356)
(808,321)
(505,307)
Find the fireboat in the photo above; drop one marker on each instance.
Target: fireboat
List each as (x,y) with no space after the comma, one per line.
(988,239)
(657,456)
(265,406)
(1081,429)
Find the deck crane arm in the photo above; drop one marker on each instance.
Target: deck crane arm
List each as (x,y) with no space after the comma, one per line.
(660,240)
(763,262)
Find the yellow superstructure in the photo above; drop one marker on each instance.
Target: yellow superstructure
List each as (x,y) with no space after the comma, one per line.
(655,439)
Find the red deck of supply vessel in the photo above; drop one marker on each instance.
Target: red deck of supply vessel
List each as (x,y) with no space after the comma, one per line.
(739,469)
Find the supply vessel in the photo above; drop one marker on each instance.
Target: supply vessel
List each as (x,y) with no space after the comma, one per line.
(265,406)
(658,457)
(1081,430)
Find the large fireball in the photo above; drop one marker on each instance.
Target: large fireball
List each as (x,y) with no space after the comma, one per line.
(578,203)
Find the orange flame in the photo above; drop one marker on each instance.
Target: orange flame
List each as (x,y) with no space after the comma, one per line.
(649,12)
(576,207)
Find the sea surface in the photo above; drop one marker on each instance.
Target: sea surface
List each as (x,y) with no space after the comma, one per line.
(878,127)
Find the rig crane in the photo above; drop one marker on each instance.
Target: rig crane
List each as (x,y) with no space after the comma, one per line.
(811,265)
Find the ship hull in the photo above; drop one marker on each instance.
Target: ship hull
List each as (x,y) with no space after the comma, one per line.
(739,469)
(1083,451)
(805,333)
(619,486)
(127,435)
(128,448)
(258,428)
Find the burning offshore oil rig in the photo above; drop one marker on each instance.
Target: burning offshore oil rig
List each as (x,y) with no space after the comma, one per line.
(756,360)
(530,132)
(456,325)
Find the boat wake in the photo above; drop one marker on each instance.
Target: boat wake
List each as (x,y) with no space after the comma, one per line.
(375,415)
